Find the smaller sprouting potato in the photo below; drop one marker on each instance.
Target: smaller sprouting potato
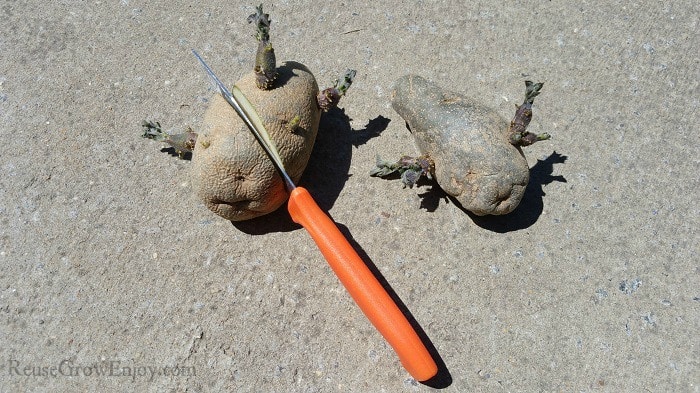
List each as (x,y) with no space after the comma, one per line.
(475,153)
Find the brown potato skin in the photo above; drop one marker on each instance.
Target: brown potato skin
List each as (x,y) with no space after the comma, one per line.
(468,142)
(231,172)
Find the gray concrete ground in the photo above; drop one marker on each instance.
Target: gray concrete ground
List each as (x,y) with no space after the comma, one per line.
(108,261)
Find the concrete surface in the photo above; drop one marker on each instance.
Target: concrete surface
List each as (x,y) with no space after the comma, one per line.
(107,260)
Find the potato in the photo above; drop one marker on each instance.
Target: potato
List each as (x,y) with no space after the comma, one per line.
(474,154)
(231,172)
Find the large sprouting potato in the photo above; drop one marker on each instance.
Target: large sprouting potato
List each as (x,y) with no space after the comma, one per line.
(231,171)
(473,153)
(232,174)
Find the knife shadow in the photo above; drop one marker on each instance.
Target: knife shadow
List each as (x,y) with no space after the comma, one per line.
(443,378)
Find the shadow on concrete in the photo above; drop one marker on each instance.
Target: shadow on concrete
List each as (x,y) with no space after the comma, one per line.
(171,151)
(330,160)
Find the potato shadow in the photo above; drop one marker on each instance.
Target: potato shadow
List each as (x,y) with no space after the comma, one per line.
(285,72)
(327,171)
(172,152)
(527,212)
(330,160)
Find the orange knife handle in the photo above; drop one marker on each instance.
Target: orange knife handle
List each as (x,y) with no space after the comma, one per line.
(362,285)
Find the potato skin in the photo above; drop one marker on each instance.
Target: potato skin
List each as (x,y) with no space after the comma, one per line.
(468,142)
(231,172)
